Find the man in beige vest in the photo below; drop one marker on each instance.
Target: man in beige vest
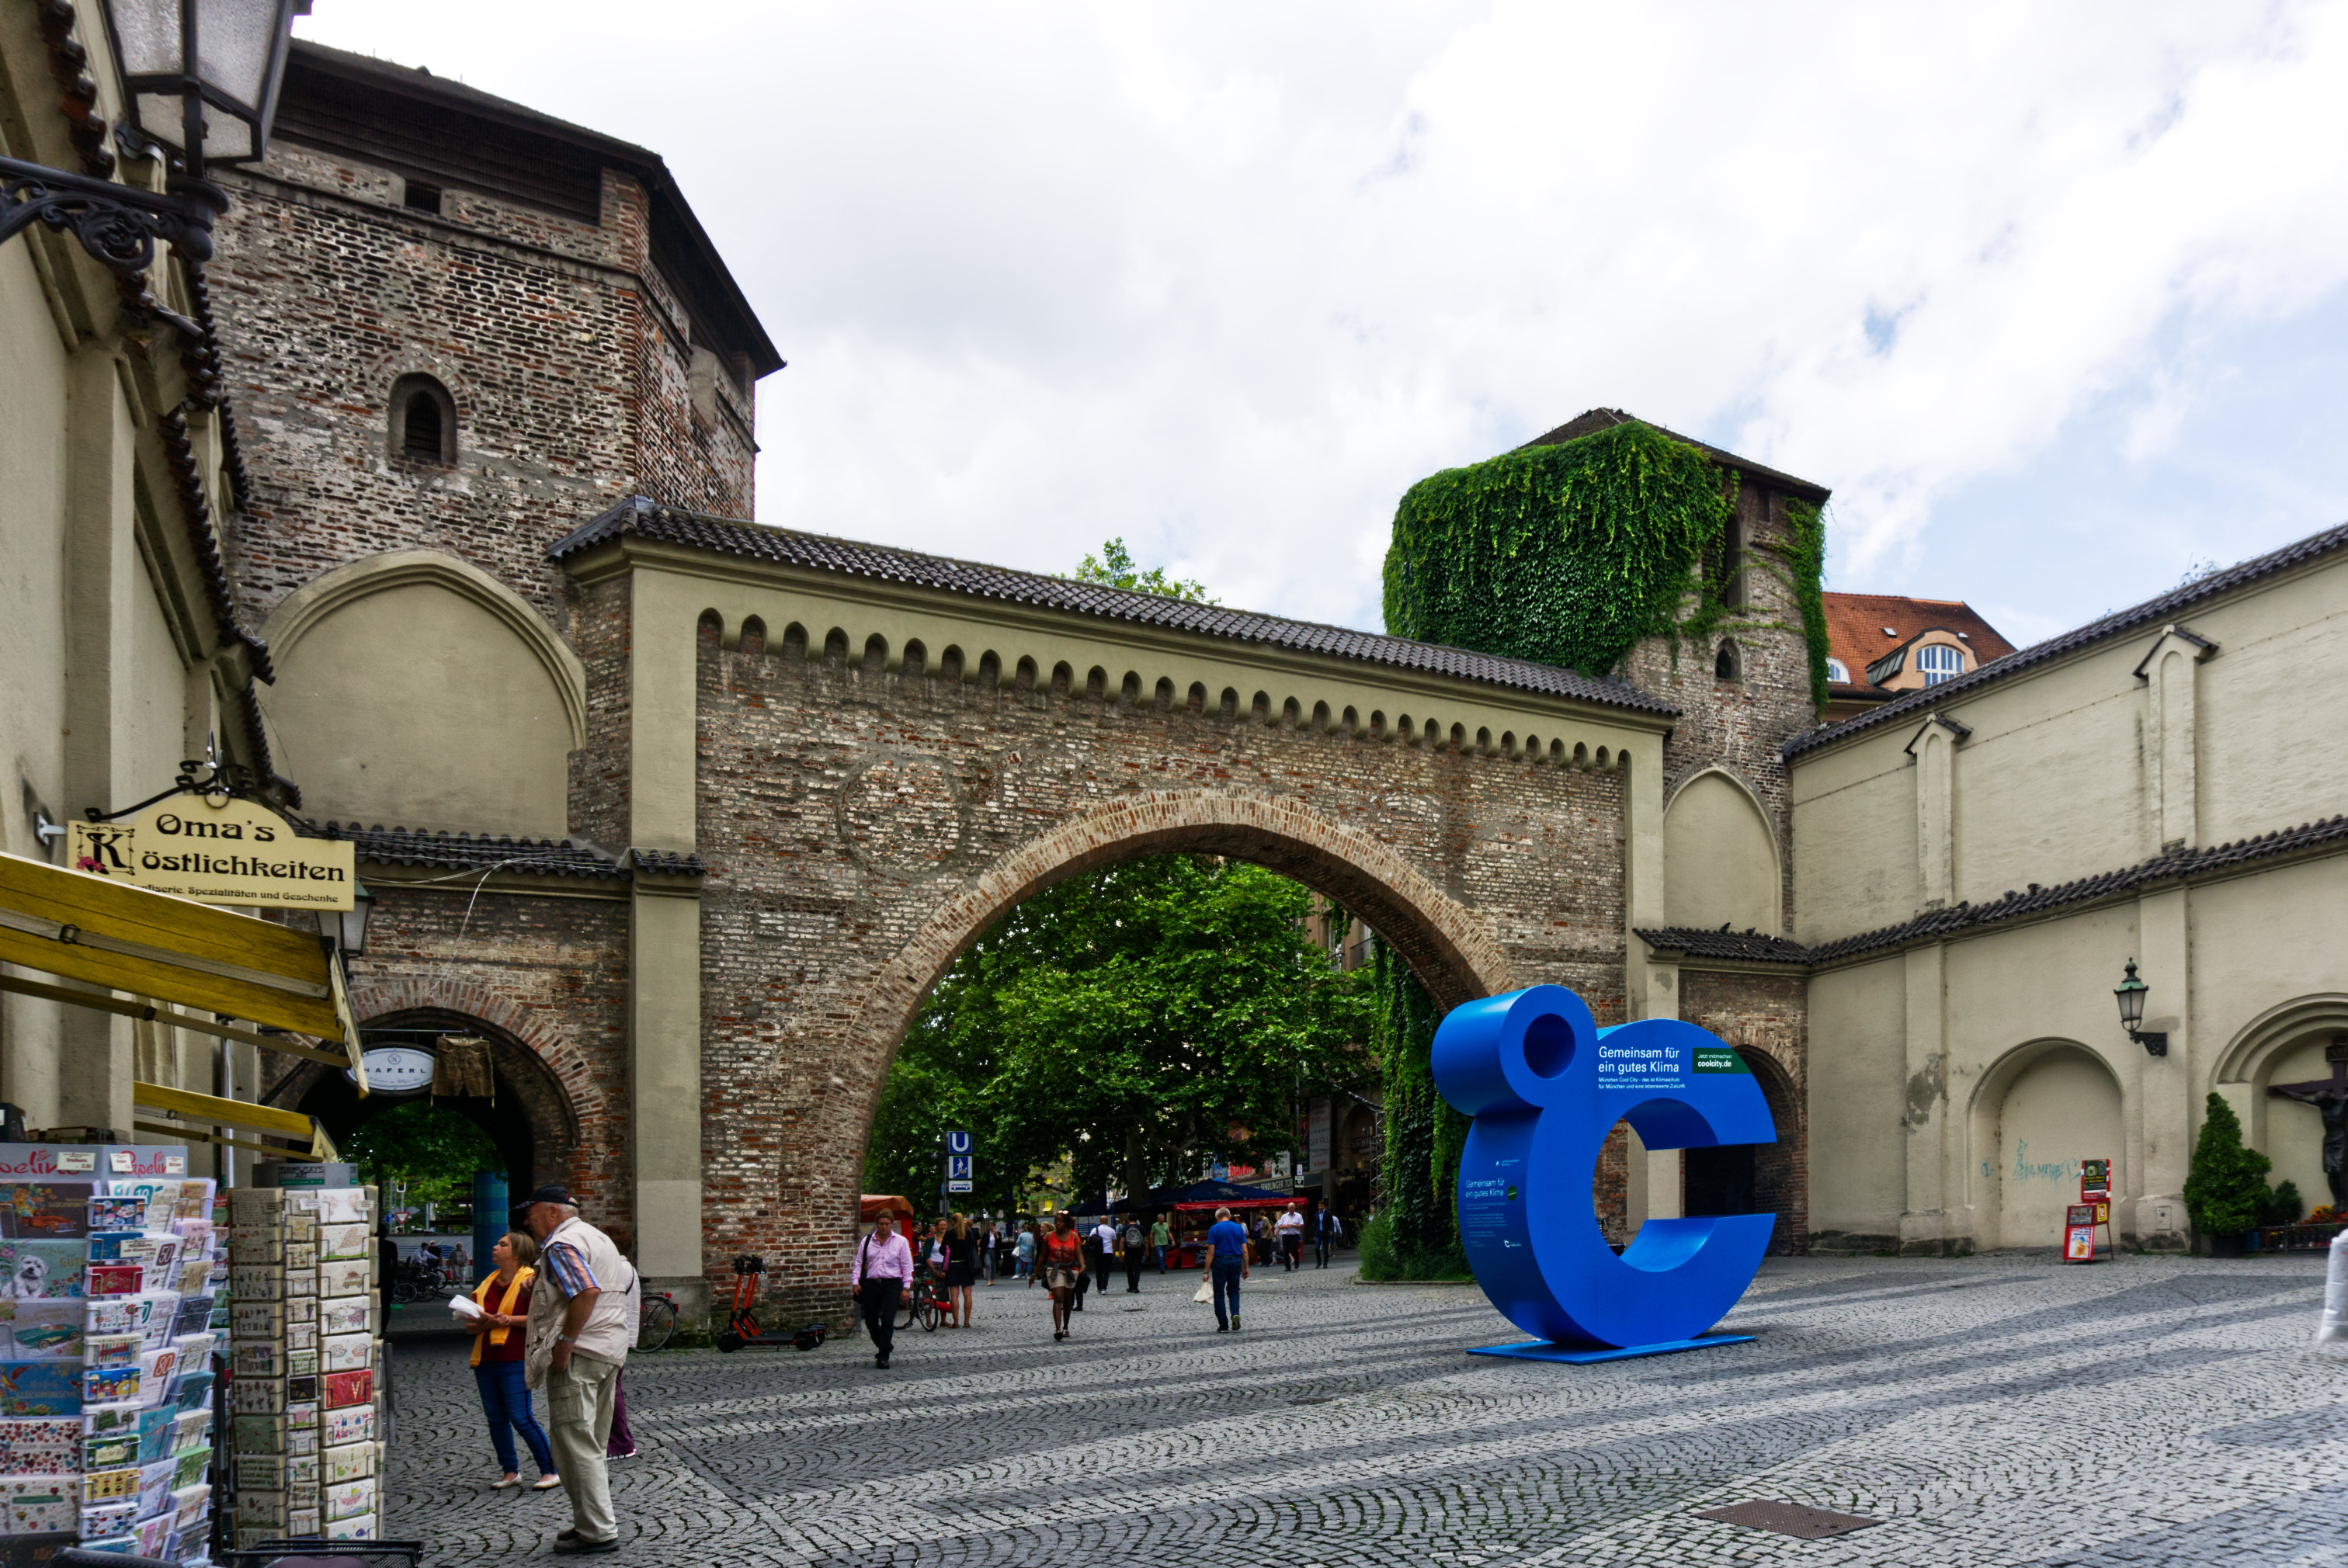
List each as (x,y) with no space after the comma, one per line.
(582,1318)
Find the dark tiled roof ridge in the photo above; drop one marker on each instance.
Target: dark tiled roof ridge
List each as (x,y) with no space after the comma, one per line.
(2014,905)
(1707,942)
(825,552)
(2160,608)
(470,852)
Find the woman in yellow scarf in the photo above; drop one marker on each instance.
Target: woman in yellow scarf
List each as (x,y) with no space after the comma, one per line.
(498,1336)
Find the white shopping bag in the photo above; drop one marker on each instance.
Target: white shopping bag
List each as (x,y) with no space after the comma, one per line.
(2331,1327)
(1207,1291)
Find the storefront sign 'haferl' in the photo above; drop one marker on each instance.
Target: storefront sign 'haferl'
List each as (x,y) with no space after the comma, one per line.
(1546,1085)
(218,849)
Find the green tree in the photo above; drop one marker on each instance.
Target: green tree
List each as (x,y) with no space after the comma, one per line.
(2226,1187)
(435,1150)
(1136,1020)
(1114,567)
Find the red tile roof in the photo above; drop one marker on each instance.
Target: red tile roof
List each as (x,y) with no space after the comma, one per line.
(1856,624)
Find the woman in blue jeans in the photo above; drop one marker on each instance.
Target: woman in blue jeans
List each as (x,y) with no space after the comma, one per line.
(498,1340)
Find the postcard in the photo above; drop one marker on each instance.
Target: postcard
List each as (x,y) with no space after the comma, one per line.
(115,1278)
(345,1276)
(45,1211)
(40,1445)
(350,1462)
(113,1315)
(36,1270)
(354,1424)
(103,1485)
(348,1498)
(40,1330)
(357,1527)
(117,1214)
(347,1352)
(347,1315)
(338,1389)
(254,1434)
(40,1389)
(102,1520)
(108,1384)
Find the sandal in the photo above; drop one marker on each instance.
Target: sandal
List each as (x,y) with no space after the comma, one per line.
(546,1483)
(508,1484)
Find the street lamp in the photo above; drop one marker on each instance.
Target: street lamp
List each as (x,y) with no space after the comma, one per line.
(2131,993)
(202,79)
(346,929)
(180,58)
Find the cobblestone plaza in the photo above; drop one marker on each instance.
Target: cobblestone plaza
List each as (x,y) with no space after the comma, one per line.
(1997,1410)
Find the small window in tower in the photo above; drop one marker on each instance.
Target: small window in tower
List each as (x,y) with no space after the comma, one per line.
(421,197)
(1724,665)
(423,422)
(1938,662)
(421,440)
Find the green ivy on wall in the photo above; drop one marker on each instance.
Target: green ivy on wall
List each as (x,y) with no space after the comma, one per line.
(1805,556)
(1566,554)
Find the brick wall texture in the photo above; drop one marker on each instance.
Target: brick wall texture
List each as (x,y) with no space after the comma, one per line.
(557,341)
(1767,1017)
(863,826)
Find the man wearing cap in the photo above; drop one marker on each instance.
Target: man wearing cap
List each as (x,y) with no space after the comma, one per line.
(580,1331)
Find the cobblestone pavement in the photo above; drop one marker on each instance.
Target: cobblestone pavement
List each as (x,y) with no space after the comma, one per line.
(2000,1410)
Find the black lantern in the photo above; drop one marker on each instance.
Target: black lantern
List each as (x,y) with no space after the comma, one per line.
(201,75)
(2131,993)
(346,929)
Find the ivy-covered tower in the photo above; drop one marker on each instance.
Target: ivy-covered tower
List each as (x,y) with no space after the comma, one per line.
(1620,548)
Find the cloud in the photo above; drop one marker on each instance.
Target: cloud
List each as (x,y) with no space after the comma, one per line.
(1226,280)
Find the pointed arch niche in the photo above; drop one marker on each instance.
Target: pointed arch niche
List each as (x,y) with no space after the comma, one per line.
(1720,856)
(415,689)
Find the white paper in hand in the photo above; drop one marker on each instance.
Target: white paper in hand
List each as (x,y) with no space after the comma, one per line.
(2331,1327)
(464,1308)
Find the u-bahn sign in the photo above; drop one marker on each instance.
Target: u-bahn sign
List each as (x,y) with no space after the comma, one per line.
(219,849)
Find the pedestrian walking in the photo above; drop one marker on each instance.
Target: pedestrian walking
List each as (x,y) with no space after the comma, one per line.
(1227,1264)
(1023,1251)
(1137,1252)
(1324,1237)
(962,1266)
(1162,1237)
(1063,1265)
(1104,1252)
(1290,1236)
(578,1334)
(500,1334)
(883,1272)
(989,1246)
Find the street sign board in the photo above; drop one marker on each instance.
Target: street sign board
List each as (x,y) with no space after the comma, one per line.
(958,1186)
(219,850)
(957,1167)
(957,1143)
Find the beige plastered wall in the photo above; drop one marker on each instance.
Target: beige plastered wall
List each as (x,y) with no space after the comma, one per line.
(1927,1060)
(104,631)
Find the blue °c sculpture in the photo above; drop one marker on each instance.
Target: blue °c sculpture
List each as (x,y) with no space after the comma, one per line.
(1546,1085)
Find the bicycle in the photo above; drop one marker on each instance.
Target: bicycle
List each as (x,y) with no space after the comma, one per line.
(927,1302)
(416,1280)
(658,1323)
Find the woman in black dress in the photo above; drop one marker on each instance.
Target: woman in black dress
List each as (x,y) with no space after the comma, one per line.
(961,1268)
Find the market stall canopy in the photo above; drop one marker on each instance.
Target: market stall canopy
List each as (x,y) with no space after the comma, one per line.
(311,1140)
(172,951)
(871,1206)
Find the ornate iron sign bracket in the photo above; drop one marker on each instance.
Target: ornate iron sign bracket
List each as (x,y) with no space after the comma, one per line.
(119,225)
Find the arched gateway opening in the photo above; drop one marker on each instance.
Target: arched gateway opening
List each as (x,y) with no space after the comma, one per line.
(1450,950)
(527,1118)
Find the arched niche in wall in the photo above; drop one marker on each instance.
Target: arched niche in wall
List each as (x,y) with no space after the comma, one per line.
(1720,858)
(416,691)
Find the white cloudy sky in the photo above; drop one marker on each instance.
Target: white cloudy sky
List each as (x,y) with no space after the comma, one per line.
(2053,297)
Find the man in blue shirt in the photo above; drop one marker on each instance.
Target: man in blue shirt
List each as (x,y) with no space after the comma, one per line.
(1227,1264)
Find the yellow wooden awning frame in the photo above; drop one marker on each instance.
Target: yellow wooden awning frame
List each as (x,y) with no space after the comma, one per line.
(167,949)
(217,1113)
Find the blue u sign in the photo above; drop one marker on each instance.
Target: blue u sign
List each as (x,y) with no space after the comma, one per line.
(1545,1085)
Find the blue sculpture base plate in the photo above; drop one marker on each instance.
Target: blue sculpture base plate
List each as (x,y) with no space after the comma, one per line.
(1586,1355)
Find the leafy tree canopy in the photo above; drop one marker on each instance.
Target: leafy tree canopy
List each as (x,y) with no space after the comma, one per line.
(436,1151)
(1134,1021)
(1115,567)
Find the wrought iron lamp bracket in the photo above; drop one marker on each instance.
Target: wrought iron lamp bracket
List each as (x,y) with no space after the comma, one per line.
(119,225)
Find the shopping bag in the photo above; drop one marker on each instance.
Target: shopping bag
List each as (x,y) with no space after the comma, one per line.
(1206,1292)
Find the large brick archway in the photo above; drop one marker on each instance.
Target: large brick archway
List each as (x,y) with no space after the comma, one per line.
(861,820)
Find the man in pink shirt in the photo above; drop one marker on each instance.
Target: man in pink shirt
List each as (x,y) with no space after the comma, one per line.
(884,1269)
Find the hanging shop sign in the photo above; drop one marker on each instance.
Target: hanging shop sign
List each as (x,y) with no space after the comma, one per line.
(396,1070)
(219,849)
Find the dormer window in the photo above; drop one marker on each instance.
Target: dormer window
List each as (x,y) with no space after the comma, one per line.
(1936,661)
(1837,673)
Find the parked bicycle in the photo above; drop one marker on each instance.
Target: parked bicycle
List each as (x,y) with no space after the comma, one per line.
(414,1280)
(659,1321)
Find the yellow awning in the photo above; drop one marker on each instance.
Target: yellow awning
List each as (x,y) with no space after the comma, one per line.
(219,1113)
(175,950)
